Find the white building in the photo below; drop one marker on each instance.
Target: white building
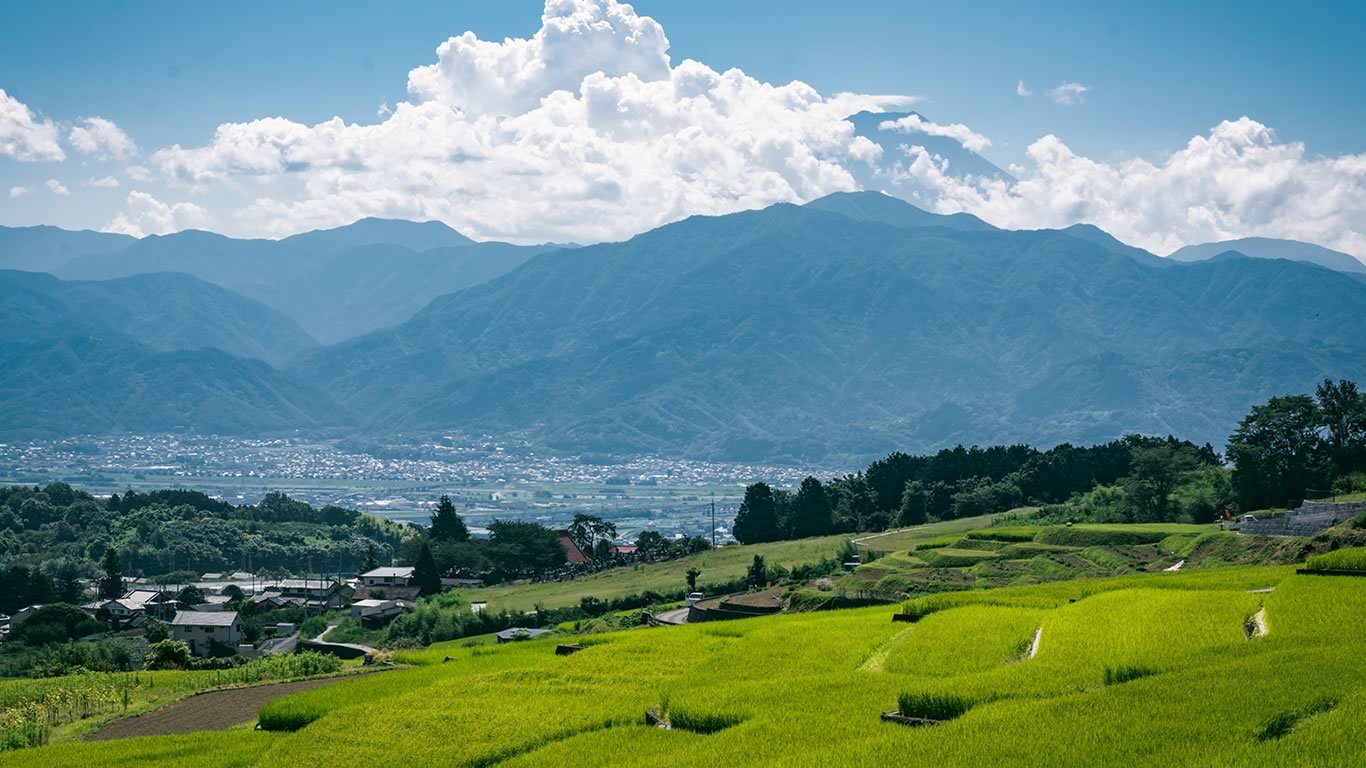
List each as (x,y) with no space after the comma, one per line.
(200,630)
(388,576)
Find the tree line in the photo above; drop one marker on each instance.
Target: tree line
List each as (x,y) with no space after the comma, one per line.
(1284,451)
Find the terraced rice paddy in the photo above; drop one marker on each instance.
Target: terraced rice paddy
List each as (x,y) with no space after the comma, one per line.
(1148,669)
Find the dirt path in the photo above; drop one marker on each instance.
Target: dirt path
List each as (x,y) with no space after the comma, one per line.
(1034,644)
(1176,567)
(1256,625)
(211,711)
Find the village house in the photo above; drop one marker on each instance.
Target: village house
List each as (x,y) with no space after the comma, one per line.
(388,576)
(312,593)
(201,631)
(372,612)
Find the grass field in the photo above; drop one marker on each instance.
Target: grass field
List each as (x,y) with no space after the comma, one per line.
(1146,669)
(717,565)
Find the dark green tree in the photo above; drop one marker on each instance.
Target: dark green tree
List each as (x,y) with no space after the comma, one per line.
(1277,453)
(652,545)
(370,562)
(757,575)
(446,524)
(691,575)
(68,583)
(522,549)
(1157,470)
(915,504)
(1343,410)
(425,575)
(592,534)
(111,581)
(189,597)
(811,510)
(757,518)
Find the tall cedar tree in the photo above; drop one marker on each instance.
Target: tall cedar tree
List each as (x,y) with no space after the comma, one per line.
(757,518)
(425,575)
(446,524)
(111,583)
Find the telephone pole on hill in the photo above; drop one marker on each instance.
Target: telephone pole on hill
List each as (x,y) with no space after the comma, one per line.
(713,521)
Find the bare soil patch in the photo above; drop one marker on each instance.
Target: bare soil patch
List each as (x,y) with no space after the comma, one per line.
(209,711)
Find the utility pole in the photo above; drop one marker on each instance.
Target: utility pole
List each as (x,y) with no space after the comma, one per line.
(713,521)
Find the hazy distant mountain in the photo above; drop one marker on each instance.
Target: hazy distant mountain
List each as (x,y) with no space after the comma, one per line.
(1269,248)
(413,235)
(333,283)
(793,332)
(107,383)
(886,209)
(165,311)
(43,248)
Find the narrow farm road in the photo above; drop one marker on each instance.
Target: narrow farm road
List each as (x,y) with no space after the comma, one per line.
(676,616)
(211,711)
(1176,567)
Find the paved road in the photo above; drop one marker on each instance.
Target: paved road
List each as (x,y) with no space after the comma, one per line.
(677,616)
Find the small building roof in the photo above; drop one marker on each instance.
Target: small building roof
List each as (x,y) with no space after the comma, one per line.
(371,603)
(389,571)
(204,619)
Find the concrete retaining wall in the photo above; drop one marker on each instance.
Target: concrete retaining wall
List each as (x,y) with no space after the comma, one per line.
(1309,519)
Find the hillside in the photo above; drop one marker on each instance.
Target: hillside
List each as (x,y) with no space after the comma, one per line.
(105,383)
(793,333)
(334,283)
(69,366)
(1170,666)
(1270,248)
(167,312)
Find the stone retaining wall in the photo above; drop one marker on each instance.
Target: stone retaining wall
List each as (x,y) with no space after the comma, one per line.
(1309,519)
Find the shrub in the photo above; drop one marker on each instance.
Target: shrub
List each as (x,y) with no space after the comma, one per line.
(1282,723)
(932,706)
(702,722)
(1125,673)
(168,654)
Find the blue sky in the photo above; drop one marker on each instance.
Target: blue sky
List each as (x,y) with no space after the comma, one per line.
(1156,75)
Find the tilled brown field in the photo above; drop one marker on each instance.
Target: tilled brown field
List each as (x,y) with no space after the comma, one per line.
(211,711)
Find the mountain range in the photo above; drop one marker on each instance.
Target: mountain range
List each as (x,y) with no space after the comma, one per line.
(334,283)
(1270,248)
(829,332)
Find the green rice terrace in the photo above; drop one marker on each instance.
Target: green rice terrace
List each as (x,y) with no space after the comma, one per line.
(1239,666)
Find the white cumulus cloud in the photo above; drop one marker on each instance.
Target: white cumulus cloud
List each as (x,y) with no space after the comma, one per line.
(25,137)
(17,192)
(1236,181)
(1021,90)
(58,188)
(102,138)
(960,133)
(146,215)
(586,131)
(106,182)
(1069,93)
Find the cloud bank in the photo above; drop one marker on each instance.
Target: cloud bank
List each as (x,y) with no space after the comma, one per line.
(590,131)
(1236,181)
